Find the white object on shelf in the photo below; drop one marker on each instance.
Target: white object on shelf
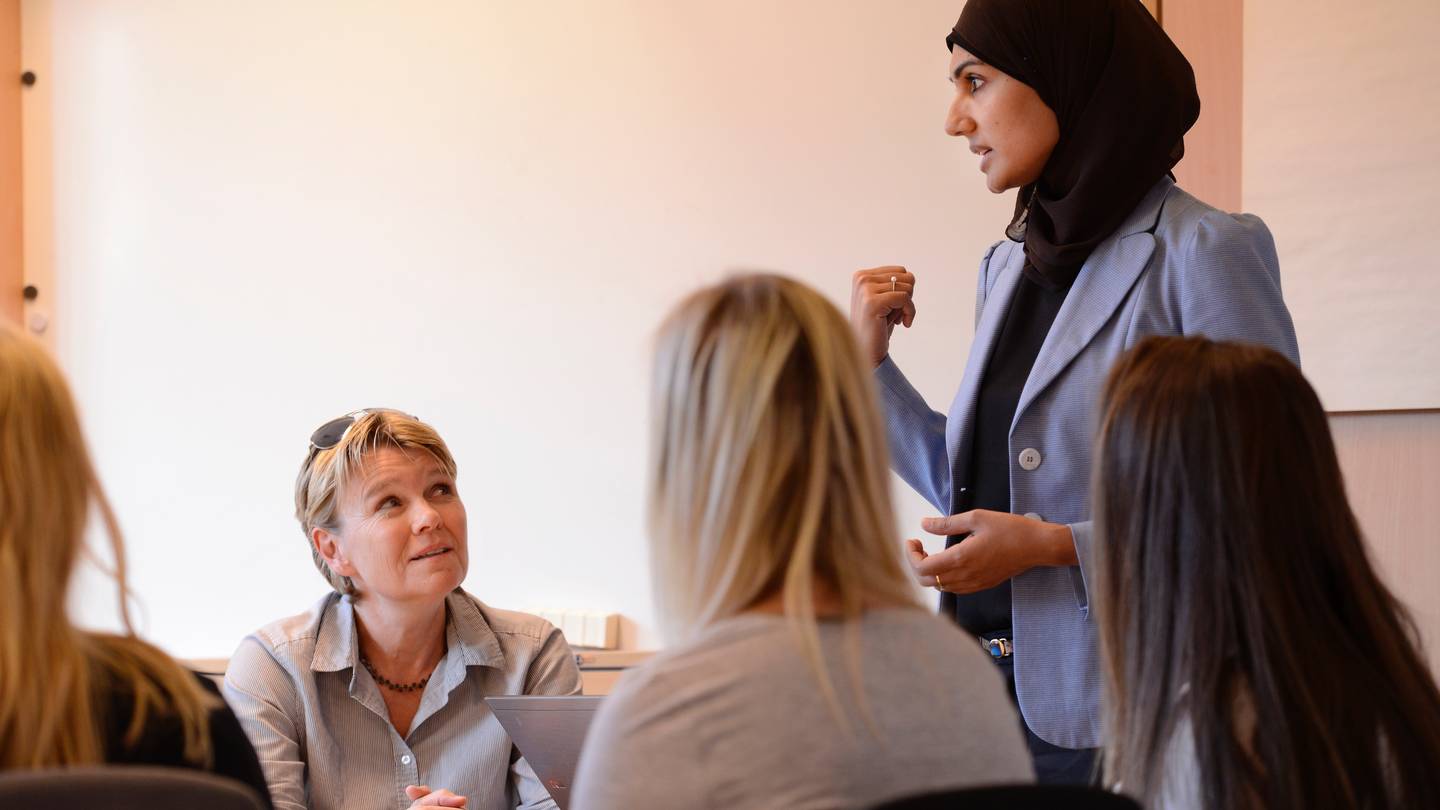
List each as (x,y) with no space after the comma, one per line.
(585,628)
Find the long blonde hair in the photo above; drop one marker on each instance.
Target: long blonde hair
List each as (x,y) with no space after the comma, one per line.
(54,677)
(768,468)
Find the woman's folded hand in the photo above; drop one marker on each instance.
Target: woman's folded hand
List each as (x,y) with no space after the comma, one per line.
(423,796)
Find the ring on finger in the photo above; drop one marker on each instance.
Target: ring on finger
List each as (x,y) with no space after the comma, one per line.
(938,585)
(892,284)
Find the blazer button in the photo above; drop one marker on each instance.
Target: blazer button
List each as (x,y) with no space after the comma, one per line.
(1029,458)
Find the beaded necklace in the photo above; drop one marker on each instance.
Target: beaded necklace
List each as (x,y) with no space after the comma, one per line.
(391,685)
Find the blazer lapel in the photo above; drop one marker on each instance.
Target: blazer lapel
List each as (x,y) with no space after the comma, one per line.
(962,410)
(1103,283)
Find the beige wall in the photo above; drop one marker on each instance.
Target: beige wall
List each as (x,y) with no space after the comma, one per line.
(477,212)
(438,217)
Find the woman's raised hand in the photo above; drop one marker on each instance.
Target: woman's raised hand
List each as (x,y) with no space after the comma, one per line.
(880,298)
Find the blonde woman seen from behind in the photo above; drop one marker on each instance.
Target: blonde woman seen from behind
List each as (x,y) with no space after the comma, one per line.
(802,670)
(69,697)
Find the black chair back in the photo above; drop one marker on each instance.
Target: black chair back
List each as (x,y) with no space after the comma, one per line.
(123,788)
(1017,797)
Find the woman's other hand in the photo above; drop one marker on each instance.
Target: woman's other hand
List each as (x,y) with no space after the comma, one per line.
(1000,546)
(880,298)
(422,796)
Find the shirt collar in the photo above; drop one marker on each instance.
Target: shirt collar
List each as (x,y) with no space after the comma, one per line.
(471,633)
(336,647)
(466,632)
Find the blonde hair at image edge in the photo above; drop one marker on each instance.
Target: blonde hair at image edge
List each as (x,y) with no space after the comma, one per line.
(768,467)
(325,473)
(50,671)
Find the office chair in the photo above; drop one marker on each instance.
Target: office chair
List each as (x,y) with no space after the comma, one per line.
(1017,797)
(123,788)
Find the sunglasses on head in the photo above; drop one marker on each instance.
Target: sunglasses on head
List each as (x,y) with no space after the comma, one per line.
(331,433)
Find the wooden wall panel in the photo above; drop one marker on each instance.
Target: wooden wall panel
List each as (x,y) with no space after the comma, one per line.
(38,137)
(1209,33)
(11,189)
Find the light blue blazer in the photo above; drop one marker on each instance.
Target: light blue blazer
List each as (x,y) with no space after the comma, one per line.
(1175,267)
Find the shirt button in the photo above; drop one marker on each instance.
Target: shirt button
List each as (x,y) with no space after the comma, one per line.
(405,760)
(1029,458)
(1034,516)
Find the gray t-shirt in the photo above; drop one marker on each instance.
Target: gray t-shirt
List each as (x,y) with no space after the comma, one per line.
(735,719)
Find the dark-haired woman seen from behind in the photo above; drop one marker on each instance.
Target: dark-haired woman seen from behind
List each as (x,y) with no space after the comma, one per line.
(69,697)
(1253,658)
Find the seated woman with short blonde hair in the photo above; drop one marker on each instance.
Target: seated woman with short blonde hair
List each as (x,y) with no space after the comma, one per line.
(804,671)
(375,696)
(71,697)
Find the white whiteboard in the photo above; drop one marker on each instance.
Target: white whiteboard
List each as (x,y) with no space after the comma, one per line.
(1342,160)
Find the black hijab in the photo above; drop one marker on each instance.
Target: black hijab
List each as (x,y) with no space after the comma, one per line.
(1124,97)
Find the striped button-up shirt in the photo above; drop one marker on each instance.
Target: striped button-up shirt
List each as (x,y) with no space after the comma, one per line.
(324,737)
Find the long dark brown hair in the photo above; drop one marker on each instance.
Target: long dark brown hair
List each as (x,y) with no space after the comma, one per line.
(1236,597)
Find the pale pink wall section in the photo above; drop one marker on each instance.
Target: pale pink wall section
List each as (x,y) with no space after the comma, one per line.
(1391,462)
(1209,33)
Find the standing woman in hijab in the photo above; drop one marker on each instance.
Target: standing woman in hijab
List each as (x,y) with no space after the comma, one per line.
(1080,106)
